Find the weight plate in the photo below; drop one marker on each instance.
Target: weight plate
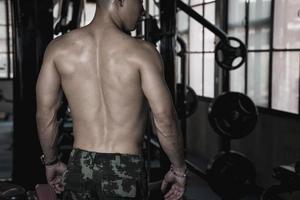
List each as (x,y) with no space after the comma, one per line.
(187,106)
(230,174)
(230,54)
(232,115)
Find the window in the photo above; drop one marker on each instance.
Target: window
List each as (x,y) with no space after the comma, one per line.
(271,32)
(200,44)
(6,49)
(87,15)
(6,75)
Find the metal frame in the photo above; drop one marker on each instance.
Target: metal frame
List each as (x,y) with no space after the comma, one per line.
(28,57)
(205,24)
(204,3)
(168,54)
(167,49)
(203,54)
(271,55)
(246,43)
(181,98)
(8,24)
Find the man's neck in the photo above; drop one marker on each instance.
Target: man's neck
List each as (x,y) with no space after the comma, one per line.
(103,20)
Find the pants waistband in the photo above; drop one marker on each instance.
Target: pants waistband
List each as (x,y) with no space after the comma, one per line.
(78,152)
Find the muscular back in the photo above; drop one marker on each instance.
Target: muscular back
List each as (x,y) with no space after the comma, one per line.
(107,76)
(102,83)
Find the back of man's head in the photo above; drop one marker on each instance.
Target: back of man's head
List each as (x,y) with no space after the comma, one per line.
(125,13)
(103,3)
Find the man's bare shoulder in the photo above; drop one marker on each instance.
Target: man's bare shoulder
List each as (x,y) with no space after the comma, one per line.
(147,54)
(66,45)
(146,48)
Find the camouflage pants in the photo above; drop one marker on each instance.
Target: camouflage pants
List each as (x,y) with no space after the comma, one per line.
(104,176)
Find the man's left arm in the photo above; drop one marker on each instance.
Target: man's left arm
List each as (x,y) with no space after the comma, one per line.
(49,93)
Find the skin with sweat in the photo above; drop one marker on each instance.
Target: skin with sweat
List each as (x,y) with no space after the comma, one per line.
(109,78)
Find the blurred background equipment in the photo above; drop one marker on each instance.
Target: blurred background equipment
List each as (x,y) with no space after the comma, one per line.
(225,62)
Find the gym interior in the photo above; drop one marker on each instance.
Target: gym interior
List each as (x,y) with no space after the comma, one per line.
(232,67)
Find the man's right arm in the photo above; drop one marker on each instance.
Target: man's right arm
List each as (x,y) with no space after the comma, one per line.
(164,114)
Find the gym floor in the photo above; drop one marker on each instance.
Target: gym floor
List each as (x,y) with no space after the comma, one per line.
(197,189)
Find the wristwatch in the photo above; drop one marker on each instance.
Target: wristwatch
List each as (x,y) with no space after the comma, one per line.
(178,174)
(56,160)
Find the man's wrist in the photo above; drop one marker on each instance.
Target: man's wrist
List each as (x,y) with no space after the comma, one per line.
(180,172)
(49,162)
(179,169)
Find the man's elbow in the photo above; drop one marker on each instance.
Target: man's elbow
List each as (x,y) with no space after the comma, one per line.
(45,114)
(39,115)
(166,113)
(45,108)
(166,118)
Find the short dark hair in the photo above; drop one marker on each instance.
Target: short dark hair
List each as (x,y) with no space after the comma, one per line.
(103,2)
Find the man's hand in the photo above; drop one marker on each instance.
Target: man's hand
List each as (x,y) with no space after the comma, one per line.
(177,188)
(54,176)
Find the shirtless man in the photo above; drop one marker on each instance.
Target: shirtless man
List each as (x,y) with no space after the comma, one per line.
(108,78)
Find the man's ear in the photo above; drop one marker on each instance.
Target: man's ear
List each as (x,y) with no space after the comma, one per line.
(120,2)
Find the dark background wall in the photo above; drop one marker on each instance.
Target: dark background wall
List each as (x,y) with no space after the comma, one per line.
(7,87)
(275,141)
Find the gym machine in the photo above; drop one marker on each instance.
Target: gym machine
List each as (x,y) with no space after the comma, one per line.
(32,31)
(230,171)
(231,174)
(22,175)
(289,178)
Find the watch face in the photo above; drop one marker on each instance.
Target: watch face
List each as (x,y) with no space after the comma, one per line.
(56,160)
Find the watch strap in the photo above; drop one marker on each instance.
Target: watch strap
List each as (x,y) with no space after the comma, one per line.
(52,162)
